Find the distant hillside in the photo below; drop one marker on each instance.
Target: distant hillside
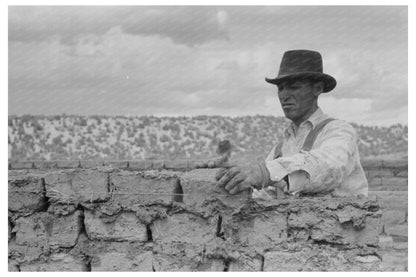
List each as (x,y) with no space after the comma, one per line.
(96,137)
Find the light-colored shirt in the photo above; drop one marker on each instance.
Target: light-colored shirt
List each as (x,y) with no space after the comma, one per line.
(332,165)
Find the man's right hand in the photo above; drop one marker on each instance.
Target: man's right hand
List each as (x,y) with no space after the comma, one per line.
(243,177)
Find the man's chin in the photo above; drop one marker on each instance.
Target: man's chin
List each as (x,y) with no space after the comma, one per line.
(288,114)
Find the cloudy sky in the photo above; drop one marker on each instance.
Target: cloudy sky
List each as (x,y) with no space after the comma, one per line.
(148,60)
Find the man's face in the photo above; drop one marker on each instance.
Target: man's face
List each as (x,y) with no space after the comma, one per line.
(297,99)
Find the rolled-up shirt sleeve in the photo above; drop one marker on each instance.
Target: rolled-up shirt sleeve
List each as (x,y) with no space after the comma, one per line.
(325,166)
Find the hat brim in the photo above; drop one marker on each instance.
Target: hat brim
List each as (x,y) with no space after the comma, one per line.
(328,80)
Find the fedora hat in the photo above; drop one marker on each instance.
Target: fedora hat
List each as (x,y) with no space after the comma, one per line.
(298,64)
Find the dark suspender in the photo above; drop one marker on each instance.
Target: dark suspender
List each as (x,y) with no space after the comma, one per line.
(313,134)
(307,145)
(310,139)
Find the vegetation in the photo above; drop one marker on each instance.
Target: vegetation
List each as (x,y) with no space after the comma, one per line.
(79,137)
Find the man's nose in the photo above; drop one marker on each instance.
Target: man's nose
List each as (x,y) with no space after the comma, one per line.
(283,93)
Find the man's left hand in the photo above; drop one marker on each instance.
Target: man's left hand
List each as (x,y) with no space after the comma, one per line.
(243,177)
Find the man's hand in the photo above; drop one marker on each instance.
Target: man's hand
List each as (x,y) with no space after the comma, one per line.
(242,177)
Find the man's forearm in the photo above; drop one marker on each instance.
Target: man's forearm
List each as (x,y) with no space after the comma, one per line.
(310,171)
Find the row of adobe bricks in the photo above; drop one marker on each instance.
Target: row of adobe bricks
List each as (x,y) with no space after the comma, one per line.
(178,164)
(122,164)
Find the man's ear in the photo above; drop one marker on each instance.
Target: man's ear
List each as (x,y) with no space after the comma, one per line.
(318,88)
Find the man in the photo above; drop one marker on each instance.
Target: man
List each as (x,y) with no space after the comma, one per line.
(319,154)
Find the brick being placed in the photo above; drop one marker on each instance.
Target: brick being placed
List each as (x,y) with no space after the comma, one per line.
(201,193)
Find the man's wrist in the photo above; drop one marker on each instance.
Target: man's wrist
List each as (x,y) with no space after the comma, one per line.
(265,180)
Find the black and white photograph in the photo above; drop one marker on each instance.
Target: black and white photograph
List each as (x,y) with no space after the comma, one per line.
(180,138)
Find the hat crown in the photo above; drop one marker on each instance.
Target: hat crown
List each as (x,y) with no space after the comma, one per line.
(303,64)
(298,61)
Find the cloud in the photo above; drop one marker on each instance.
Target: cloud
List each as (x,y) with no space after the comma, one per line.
(135,74)
(184,25)
(37,23)
(376,74)
(187,25)
(198,60)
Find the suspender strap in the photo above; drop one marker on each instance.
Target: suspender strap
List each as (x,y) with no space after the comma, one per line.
(313,134)
(310,139)
(307,145)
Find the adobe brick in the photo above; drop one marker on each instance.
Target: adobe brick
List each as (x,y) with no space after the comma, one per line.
(395,163)
(116,164)
(25,192)
(199,188)
(77,185)
(184,227)
(397,230)
(140,165)
(371,163)
(56,262)
(45,164)
(21,164)
(124,227)
(176,164)
(91,163)
(130,188)
(391,200)
(68,164)
(46,230)
(261,231)
(158,164)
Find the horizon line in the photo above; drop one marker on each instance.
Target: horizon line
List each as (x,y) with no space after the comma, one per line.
(186,116)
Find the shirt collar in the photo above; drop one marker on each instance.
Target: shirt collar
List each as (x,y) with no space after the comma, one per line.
(315,118)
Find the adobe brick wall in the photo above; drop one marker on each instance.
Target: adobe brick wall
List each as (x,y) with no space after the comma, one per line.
(386,175)
(382,175)
(388,181)
(112,219)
